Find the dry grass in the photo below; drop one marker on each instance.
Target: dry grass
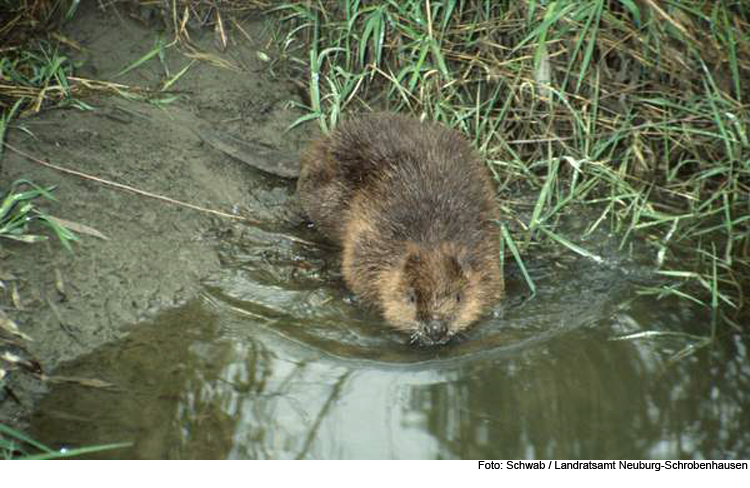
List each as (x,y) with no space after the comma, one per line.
(34,72)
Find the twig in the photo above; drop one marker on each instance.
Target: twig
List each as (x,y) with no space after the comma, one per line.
(120,186)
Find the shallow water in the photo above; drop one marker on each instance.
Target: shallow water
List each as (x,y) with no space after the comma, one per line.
(277,360)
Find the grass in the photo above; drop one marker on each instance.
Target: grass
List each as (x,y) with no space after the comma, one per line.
(39,77)
(638,109)
(36,76)
(19,214)
(14,444)
(18,211)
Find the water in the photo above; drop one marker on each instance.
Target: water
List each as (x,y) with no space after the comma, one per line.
(277,360)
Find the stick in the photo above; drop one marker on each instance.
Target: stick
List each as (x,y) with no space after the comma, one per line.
(120,186)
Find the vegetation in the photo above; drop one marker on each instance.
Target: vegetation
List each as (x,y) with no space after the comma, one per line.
(17,445)
(634,107)
(18,213)
(637,108)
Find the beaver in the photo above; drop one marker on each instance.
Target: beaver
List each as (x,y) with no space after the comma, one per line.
(413,209)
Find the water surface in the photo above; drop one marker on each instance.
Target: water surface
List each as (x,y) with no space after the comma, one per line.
(277,360)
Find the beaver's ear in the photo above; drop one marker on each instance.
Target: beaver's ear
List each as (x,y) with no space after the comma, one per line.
(453,267)
(458,265)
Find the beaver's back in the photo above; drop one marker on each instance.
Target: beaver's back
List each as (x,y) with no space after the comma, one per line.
(424,179)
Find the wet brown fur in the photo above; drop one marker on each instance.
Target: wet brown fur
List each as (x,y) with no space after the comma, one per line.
(412,207)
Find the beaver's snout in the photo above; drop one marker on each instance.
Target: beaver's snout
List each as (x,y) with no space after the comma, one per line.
(431,333)
(437,330)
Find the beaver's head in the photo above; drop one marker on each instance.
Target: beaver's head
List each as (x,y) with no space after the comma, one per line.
(435,291)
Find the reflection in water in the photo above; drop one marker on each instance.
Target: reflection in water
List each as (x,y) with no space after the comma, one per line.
(204,383)
(277,361)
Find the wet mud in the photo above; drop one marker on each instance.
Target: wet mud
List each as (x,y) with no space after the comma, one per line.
(156,253)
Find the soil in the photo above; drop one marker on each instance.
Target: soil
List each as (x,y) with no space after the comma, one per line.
(156,253)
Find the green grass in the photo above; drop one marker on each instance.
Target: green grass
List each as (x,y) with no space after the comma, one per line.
(14,444)
(633,109)
(20,216)
(38,77)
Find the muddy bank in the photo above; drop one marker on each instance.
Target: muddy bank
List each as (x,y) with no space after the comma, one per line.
(156,253)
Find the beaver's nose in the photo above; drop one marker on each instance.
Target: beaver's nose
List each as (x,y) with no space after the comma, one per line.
(437,330)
